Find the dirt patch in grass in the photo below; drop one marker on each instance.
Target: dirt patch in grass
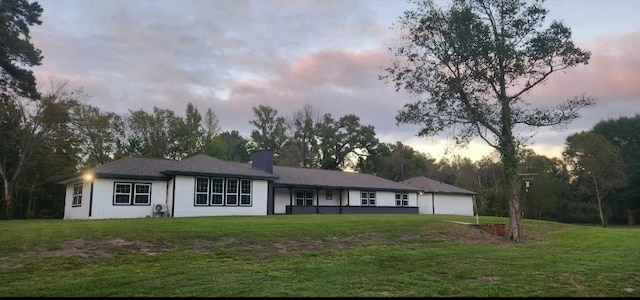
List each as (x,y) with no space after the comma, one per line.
(442,231)
(461,233)
(104,248)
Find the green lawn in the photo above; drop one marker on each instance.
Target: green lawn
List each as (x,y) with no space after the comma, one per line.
(314,255)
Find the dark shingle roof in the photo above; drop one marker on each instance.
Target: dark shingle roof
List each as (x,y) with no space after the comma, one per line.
(334,179)
(202,164)
(128,168)
(429,185)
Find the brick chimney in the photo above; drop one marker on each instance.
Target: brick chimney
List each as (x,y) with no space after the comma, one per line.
(262,160)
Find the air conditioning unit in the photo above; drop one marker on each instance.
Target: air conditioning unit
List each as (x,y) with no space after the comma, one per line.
(160,210)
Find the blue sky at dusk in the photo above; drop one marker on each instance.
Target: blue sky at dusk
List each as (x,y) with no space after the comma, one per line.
(234,55)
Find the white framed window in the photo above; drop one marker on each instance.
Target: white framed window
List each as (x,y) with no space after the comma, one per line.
(232,191)
(122,193)
(77,195)
(142,194)
(245,192)
(402,199)
(328,194)
(217,191)
(202,191)
(368,198)
(304,198)
(131,193)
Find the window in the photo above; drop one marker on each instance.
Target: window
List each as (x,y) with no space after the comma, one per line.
(402,199)
(232,191)
(129,193)
(217,191)
(202,191)
(245,192)
(142,194)
(304,198)
(122,193)
(222,192)
(77,195)
(328,194)
(368,198)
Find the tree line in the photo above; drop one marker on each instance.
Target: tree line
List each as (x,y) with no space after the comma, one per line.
(469,64)
(60,134)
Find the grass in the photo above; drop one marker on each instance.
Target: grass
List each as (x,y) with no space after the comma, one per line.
(313,255)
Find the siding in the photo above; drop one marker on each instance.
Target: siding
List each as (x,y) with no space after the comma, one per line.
(383,198)
(79,212)
(281,200)
(185,194)
(446,204)
(103,207)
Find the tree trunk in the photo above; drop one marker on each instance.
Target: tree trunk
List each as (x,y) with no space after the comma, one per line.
(632,217)
(511,190)
(600,207)
(7,198)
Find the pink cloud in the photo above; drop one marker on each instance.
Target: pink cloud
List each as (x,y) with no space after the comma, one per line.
(611,75)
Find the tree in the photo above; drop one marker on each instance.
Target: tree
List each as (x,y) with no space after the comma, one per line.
(149,134)
(303,143)
(473,63)
(16,51)
(186,135)
(397,162)
(598,162)
(211,125)
(25,125)
(270,129)
(99,131)
(623,134)
(342,138)
(229,145)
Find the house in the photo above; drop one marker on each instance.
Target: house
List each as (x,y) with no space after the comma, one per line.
(205,186)
(439,198)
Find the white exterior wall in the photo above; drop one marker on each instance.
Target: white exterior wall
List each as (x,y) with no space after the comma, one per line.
(102,203)
(280,200)
(79,212)
(185,199)
(446,204)
(103,207)
(383,198)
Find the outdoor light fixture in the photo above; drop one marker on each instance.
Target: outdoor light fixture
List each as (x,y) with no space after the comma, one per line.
(87,177)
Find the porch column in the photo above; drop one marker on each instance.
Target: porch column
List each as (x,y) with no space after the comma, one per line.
(340,201)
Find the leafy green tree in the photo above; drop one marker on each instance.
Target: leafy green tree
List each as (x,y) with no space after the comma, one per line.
(16,51)
(26,125)
(397,162)
(150,134)
(270,130)
(302,146)
(623,134)
(186,135)
(473,63)
(99,131)
(598,162)
(342,138)
(229,145)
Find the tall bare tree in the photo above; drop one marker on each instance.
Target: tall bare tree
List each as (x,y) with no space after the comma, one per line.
(473,63)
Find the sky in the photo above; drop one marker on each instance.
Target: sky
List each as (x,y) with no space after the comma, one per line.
(232,55)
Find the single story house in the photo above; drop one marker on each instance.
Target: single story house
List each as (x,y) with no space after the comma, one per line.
(439,198)
(206,186)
